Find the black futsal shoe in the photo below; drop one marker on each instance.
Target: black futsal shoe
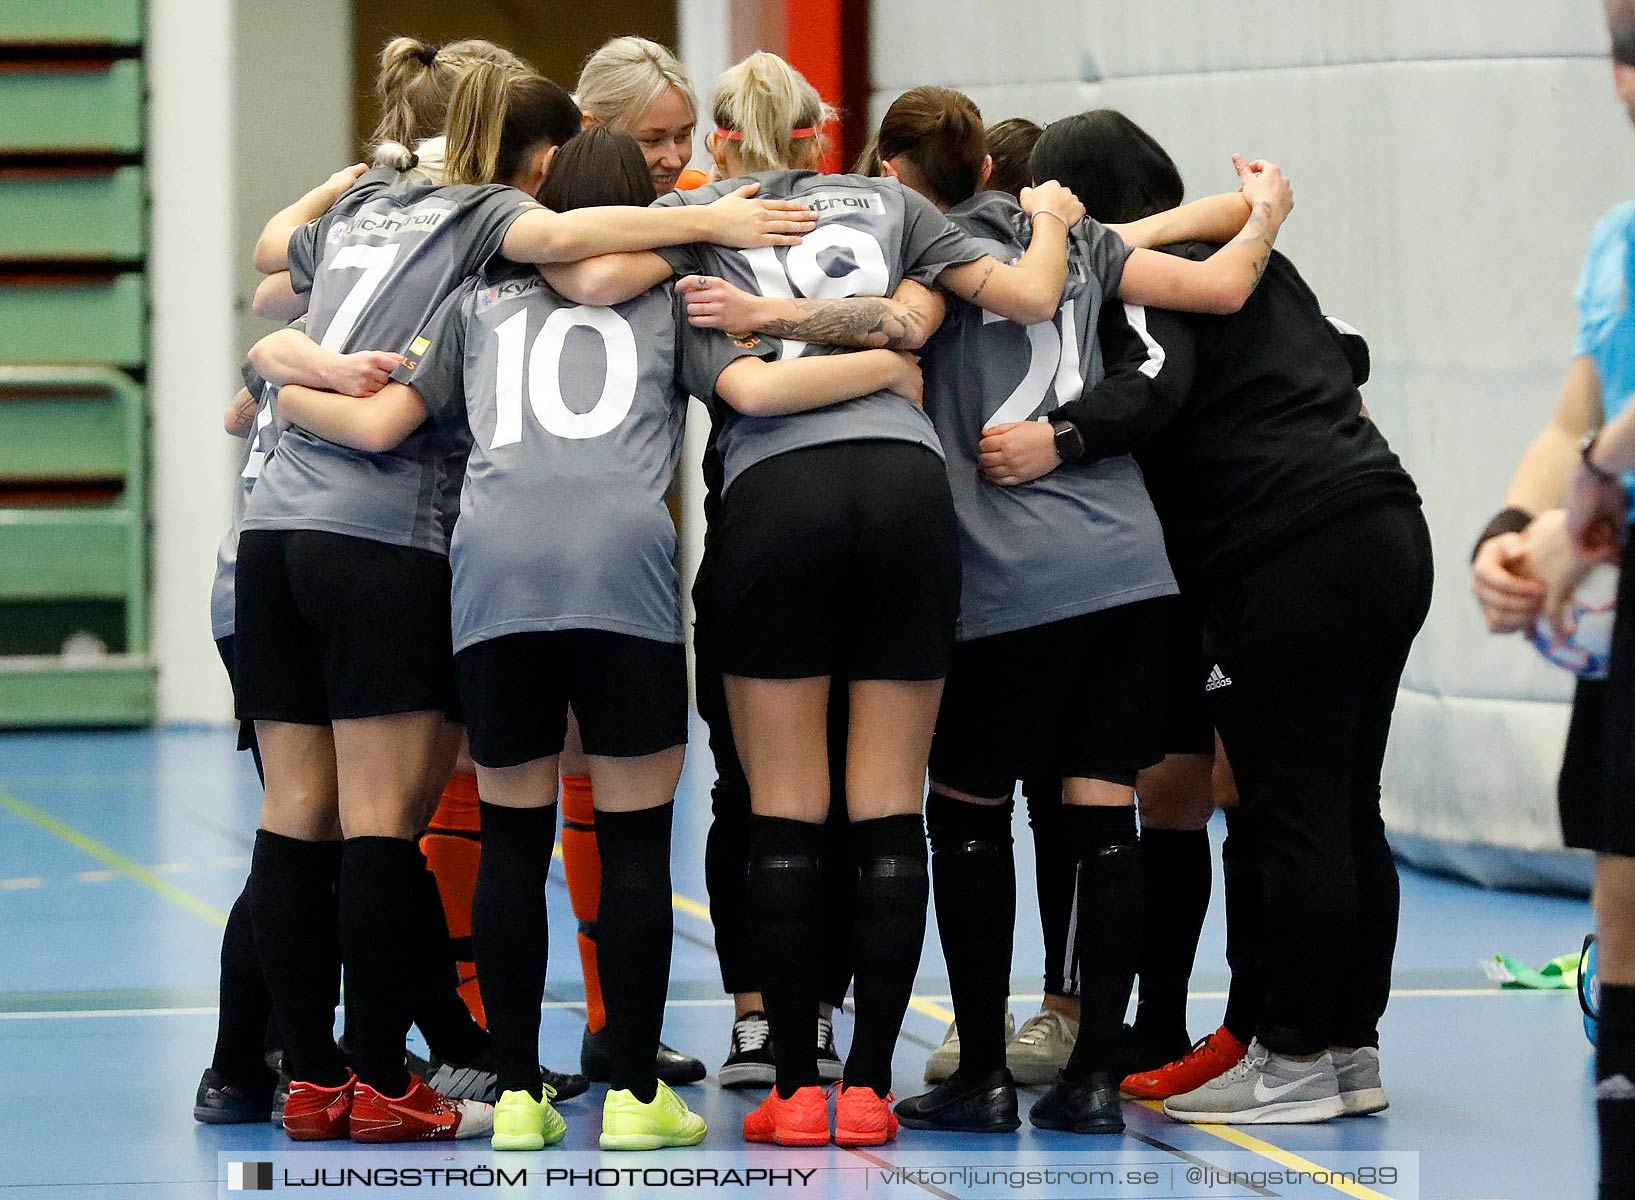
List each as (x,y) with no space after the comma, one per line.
(671,1066)
(479,1079)
(219,1101)
(986,1104)
(749,1062)
(1088,1105)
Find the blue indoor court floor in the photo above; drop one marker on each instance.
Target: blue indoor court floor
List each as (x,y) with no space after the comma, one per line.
(120,853)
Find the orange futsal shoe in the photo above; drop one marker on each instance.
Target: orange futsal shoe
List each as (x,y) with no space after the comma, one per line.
(1212,1056)
(801,1120)
(419,1115)
(863,1117)
(319,1114)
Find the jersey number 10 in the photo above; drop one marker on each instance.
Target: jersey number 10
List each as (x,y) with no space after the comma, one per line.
(544,371)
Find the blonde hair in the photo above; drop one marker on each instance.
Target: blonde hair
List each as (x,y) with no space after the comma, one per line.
(416,80)
(622,80)
(496,117)
(764,98)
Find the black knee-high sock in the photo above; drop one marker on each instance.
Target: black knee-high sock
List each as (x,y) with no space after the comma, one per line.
(378,931)
(509,936)
(839,893)
(246,1007)
(293,892)
(1177,867)
(887,934)
(636,924)
(973,878)
(1245,926)
(1111,896)
(450,1031)
(1055,880)
(785,897)
(1615,1091)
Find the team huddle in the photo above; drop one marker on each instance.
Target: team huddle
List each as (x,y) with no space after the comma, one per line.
(1020,471)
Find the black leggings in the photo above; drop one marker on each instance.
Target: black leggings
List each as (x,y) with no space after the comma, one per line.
(1311,643)
(726,853)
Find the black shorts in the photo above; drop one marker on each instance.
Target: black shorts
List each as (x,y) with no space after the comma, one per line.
(246,729)
(1074,699)
(628,693)
(838,560)
(1596,792)
(334,628)
(1188,727)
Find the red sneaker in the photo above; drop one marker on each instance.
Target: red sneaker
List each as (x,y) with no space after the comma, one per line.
(801,1120)
(318,1114)
(863,1117)
(419,1115)
(1212,1056)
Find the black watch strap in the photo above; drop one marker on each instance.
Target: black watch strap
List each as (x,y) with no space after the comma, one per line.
(1586,447)
(1069,441)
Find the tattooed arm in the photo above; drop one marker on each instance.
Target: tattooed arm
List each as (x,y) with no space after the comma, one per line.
(1224,282)
(901,321)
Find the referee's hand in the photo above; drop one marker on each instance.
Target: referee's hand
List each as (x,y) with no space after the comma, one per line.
(1511,602)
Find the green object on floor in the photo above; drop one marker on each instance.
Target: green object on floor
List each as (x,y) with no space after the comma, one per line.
(1557,975)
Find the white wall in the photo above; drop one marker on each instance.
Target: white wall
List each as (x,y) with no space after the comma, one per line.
(1449,161)
(250,104)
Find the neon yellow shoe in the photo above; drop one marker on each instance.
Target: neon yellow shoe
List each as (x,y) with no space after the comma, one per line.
(523,1123)
(628,1124)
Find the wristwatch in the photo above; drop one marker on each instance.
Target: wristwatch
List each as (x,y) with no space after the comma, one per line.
(1069,441)
(1586,448)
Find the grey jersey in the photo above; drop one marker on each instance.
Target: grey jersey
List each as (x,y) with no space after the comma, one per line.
(871,235)
(256,448)
(1084,537)
(576,421)
(378,264)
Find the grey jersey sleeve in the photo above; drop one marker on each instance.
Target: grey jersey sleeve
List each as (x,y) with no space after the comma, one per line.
(931,242)
(484,228)
(435,363)
(685,259)
(1104,254)
(306,248)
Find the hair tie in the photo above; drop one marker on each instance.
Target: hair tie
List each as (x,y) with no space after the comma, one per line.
(737,135)
(428,55)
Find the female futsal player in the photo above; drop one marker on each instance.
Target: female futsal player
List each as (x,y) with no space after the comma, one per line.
(350,693)
(1314,584)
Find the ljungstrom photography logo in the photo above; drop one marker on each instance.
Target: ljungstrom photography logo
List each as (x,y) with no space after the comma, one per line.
(249,1177)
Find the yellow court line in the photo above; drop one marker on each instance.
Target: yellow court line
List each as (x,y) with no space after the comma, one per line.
(1283,1158)
(112,858)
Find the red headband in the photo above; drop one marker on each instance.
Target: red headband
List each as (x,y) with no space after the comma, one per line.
(737,135)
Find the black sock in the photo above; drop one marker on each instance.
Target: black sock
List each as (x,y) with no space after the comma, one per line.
(785,898)
(450,1030)
(1111,895)
(378,931)
(293,897)
(1615,1091)
(637,922)
(888,932)
(1055,879)
(1177,867)
(839,892)
(1240,885)
(973,877)
(509,935)
(246,1008)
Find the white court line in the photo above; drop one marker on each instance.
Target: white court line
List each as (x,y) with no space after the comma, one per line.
(715,1002)
(24,883)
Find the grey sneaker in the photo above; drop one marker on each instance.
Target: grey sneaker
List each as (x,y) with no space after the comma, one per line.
(1359,1074)
(944,1060)
(1041,1047)
(1264,1089)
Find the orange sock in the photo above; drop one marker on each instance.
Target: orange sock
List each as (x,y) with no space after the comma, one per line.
(582,865)
(453,852)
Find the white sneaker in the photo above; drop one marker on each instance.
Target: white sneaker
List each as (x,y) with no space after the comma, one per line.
(944,1060)
(1041,1047)
(1264,1089)
(1358,1071)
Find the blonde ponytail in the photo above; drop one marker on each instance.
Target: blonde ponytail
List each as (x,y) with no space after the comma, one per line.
(416,80)
(764,99)
(497,117)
